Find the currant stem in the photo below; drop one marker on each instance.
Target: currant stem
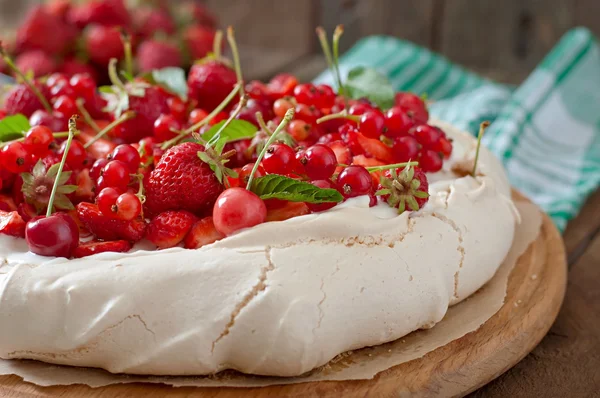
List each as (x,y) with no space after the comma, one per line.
(482,128)
(126,116)
(337,34)
(126,39)
(218,39)
(26,81)
(72,130)
(289,115)
(234,114)
(262,124)
(236,58)
(341,115)
(371,169)
(86,115)
(325,47)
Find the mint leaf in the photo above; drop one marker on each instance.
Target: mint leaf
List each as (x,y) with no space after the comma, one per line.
(173,79)
(13,127)
(236,130)
(275,186)
(367,82)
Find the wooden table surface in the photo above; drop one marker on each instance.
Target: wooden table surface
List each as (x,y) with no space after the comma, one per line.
(567,361)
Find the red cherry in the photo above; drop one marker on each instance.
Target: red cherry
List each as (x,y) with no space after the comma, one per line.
(354,181)
(56,235)
(430,161)
(77,156)
(15,157)
(115,174)
(314,207)
(107,201)
(359,108)
(38,140)
(398,122)
(128,155)
(83,84)
(164,126)
(319,162)
(427,135)
(405,148)
(177,108)
(280,159)
(372,124)
(96,170)
(237,208)
(299,129)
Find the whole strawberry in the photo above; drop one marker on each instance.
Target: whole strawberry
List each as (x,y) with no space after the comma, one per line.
(405,189)
(150,20)
(210,82)
(43,31)
(103,12)
(35,61)
(20,99)
(198,40)
(156,54)
(103,43)
(181,181)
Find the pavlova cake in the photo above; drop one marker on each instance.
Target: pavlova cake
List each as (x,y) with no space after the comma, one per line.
(185,229)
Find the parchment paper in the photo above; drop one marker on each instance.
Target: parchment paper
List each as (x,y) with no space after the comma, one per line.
(460,319)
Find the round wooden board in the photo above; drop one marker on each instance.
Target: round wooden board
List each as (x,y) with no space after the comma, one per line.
(462,366)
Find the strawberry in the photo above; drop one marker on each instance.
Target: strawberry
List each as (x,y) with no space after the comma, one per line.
(147,109)
(95,247)
(43,31)
(20,99)
(342,153)
(155,54)
(210,82)
(198,41)
(85,187)
(103,43)
(11,223)
(404,189)
(289,210)
(376,148)
(106,228)
(152,20)
(202,233)
(362,160)
(59,8)
(7,203)
(100,148)
(103,12)
(26,211)
(169,228)
(181,181)
(35,61)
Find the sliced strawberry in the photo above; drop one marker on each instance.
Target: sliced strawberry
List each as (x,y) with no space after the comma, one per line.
(95,247)
(290,210)
(11,223)
(362,160)
(7,203)
(342,153)
(106,228)
(202,233)
(169,228)
(85,187)
(376,148)
(26,211)
(100,148)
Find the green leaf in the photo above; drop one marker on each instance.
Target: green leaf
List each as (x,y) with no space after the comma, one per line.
(13,127)
(275,186)
(235,130)
(173,79)
(369,83)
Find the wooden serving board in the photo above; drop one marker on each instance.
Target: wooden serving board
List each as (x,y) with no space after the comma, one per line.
(535,293)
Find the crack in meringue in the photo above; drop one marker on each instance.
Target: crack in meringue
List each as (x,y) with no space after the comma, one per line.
(460,248)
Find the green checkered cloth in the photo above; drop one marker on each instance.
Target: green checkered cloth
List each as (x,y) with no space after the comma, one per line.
(546,131)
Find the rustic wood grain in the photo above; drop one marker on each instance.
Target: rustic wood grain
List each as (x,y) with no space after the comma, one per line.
(453,370)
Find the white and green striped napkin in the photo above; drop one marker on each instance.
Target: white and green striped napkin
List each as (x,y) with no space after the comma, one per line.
(546,131)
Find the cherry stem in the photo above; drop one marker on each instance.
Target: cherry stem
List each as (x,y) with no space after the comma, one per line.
(337,34)
(215,138)
(262,124)
(113,75)
(482,128)
(340,115)
(331,59)
(86,115)
(126,116)
(72,130)
(26,80)
(217,44)
(372,169)
(126,39)
(289,115)
(236,58)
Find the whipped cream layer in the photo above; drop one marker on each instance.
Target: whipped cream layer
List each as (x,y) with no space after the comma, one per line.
(278,299)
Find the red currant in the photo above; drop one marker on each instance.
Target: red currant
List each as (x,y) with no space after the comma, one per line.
(326,96)
(414,105)
(280,159)
(65,105)
(177,108)
(308,113)
(15,157)
(299,129)
(196,116)
(430,161)
(319,162)
(281,106)
(62,88)
(107,201)
(56,78)
(282,85)
(306,93)
(405,148)
(444,146)
(164,126)
(359,109)
(129,206)
(354,181)
(372,124)
(245,171)
(38,140)
(427,135)
(238,208)
(96,170)
(77,156)
(83,84)
(328,138)
(116,174)
(128,155)
(316,207)
(398,122)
